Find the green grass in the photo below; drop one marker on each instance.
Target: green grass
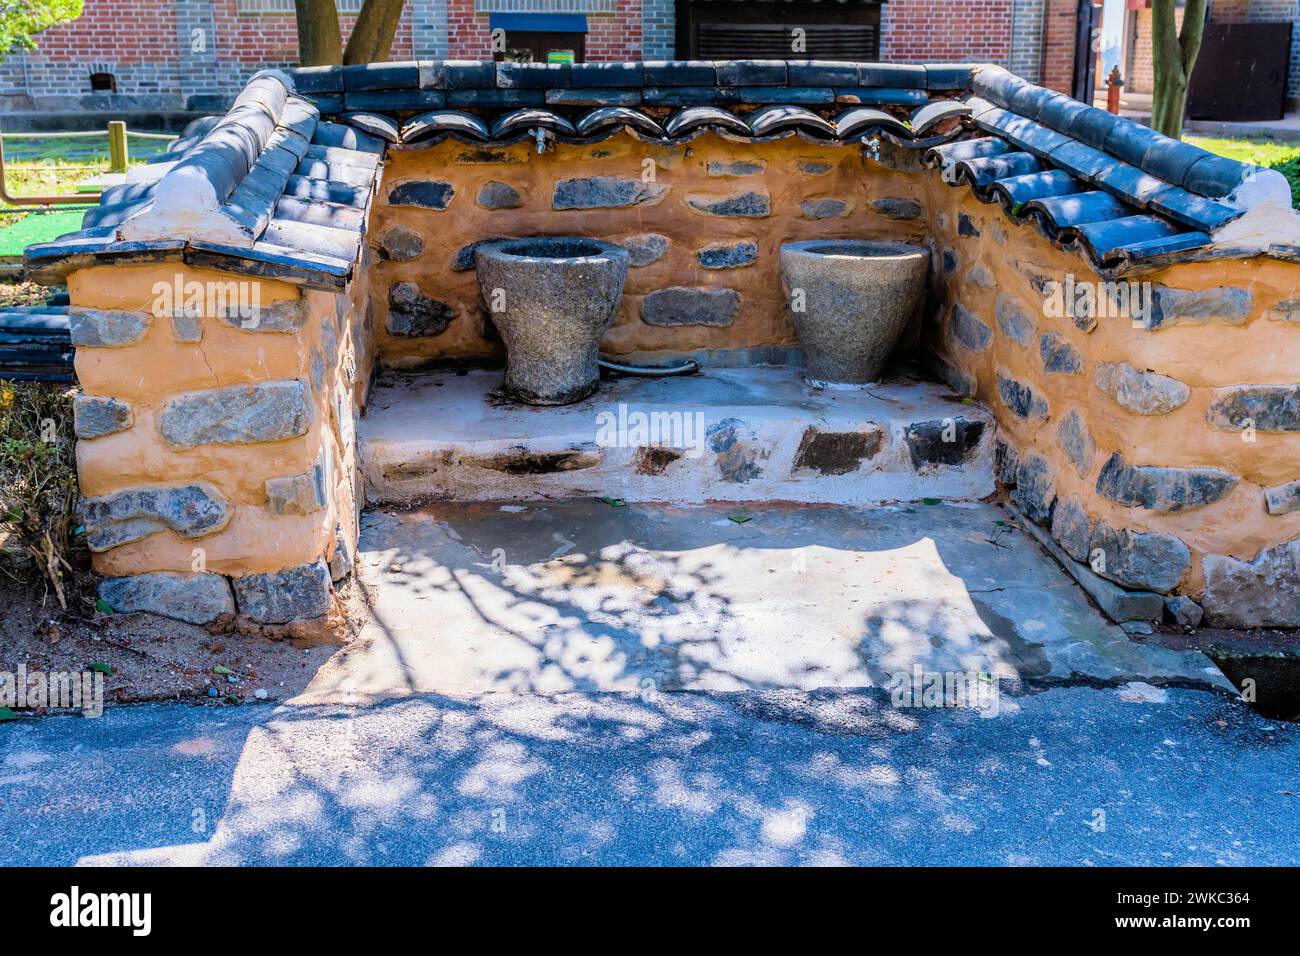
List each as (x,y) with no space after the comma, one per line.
(43,166)
(1284,157)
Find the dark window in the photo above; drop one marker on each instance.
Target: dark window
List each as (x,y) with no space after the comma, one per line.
(726,30)
(103,83)
(530,46)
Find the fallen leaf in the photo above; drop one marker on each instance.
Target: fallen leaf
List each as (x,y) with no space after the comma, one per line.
(615,502)
(102,606)
(7,714)
(101,668)
(741,519)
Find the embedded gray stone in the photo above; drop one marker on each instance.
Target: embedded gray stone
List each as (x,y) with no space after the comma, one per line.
(237,415)
(728,255)
(824,208)
(497,195)
(94,416)
(1183,610)
(606,192)
(1286,311)
(187,328)
(281,317)
(558,297)
(301,494)
(982,276)
(1223,305)
(858,297)
(1147,561)
(959,381)
(1266,408)
(1071,527)
(645,248)
(1059,356)
(1035,489)
(294,594)
(966,226)
(1020,398)
(1013,320)
(746,205)
(1166,490)
(813,167)
(892,207)
(430,194)
(968,330)
(341,563)
(400,244)
(1146,393)
(738,167)
(1007,463)
(193,598)
(1283,499)
(192,511)
(412,314)
(1076,441)
(948,441)
(1264,592)
(678,305)
(950,260)
(96,328)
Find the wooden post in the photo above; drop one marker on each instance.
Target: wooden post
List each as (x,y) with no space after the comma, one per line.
(117,156)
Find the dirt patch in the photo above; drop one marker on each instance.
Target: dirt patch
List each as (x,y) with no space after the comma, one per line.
(653,459)
(150,658)
(836,453)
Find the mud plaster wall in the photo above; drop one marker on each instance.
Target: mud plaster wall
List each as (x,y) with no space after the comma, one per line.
(1262,347)
(327,354)
(799,180)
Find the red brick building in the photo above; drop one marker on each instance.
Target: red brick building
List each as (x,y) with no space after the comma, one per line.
(193,54)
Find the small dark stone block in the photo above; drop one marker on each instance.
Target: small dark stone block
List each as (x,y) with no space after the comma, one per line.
(1021,399)
(1266,408)
(606,192)
(683,306)
(1035,490)
(497,195)
(428,193)
(412,314)
(968,330)
(728,255)
(747,205)
(680,73)
(816,209)
(897,208)
(400,244)
(1059,356)
(836,453)
(943,441)
(966,226)
(1166,490)
(1149,561)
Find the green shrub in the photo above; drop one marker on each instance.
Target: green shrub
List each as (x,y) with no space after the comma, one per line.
(1290,168)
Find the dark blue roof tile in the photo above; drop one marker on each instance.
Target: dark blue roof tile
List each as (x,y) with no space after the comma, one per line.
(1092,126)
(1215,176)
(898,75)
(822,73)
(381,76)
(680,73)
(1079,208)
(606,75)
(1130,141)
(1018,190)
(1191,209)
(1083,161)
(751,72)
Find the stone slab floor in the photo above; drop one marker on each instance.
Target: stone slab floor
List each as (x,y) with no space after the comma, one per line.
(574,683)
(584,596)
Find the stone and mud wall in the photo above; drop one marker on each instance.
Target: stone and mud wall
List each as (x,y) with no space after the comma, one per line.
(1160,441)
(216,439)
(703,221)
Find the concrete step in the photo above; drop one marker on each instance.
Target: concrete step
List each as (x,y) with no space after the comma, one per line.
(727,434)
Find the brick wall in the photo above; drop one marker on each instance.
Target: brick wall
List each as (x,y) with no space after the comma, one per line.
(935,31)
(616,37)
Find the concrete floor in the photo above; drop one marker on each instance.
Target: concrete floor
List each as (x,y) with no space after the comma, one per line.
(581,596)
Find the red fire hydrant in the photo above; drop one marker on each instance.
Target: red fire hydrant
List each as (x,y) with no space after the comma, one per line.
(1113,85)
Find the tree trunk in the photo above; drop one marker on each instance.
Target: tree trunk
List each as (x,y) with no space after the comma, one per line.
(1173,54)
(372,36)
(318,33)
